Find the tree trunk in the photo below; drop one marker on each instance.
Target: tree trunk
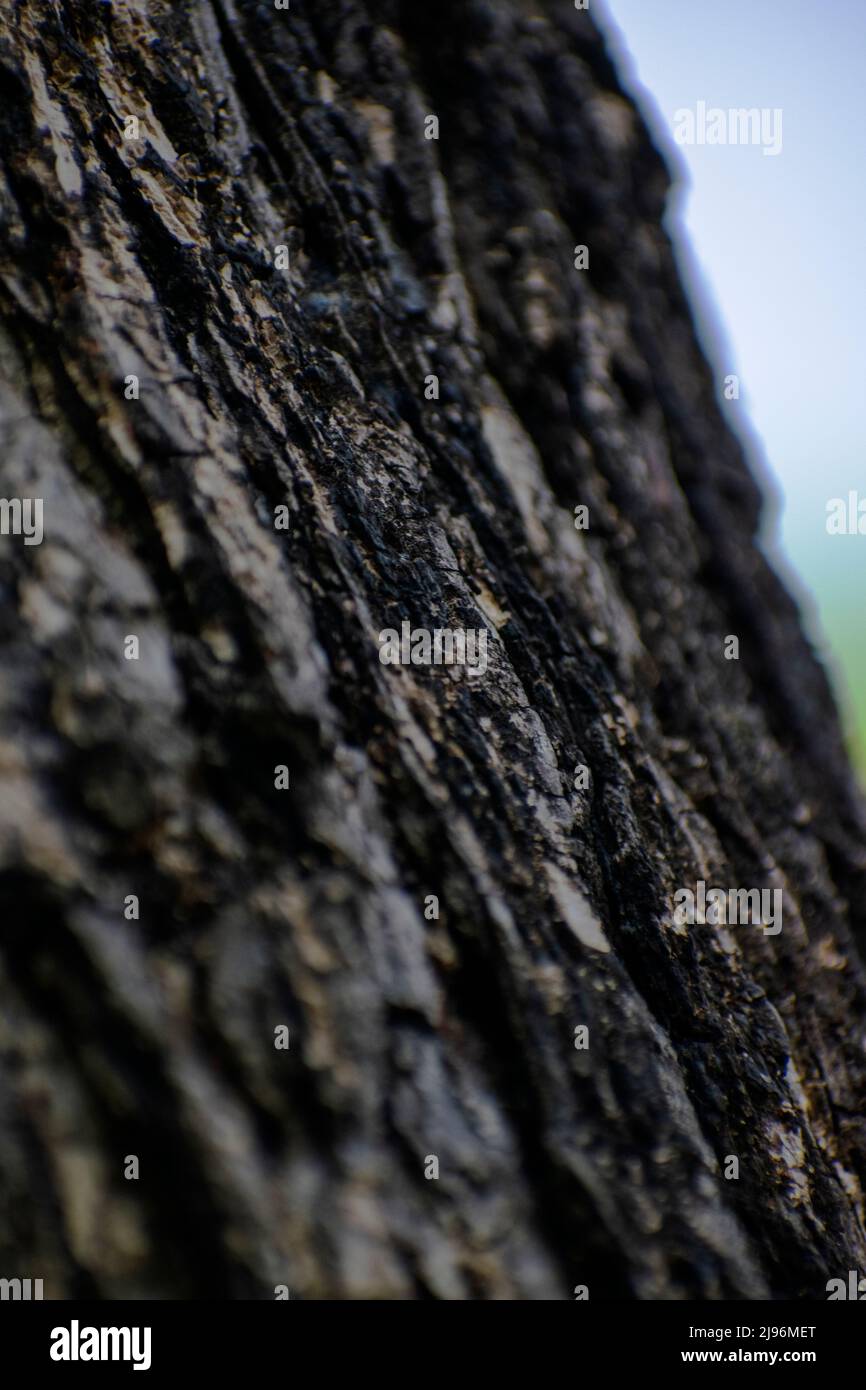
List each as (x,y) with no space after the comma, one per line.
(240,311)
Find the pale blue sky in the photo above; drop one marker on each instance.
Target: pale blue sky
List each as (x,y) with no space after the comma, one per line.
(780,244)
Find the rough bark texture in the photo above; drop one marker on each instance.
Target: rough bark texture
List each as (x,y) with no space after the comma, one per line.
(306,387)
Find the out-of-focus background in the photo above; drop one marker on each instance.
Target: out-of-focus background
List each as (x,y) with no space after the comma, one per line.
(774,248)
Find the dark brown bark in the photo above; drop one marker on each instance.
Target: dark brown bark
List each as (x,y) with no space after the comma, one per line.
(259,907)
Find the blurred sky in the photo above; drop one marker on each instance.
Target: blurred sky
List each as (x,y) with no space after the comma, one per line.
(779,244)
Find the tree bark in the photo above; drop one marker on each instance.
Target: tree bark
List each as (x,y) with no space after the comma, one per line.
(412,1036)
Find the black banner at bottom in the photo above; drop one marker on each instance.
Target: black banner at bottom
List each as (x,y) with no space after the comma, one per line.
(157,1339)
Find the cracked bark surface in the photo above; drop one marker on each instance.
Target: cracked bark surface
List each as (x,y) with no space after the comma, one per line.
(261,388)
